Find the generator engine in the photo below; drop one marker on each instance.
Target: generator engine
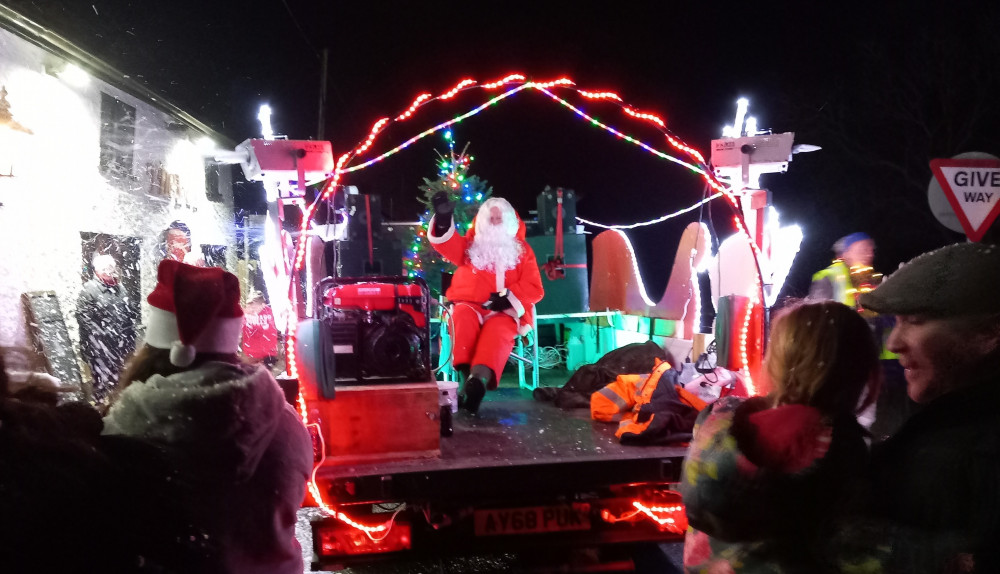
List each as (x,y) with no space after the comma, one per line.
(377,329)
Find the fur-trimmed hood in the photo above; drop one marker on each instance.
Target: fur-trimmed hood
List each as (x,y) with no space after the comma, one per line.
(222,414)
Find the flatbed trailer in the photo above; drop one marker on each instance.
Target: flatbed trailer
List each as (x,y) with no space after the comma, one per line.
(523,475)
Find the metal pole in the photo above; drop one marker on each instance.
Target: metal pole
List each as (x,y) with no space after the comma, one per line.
(320,131)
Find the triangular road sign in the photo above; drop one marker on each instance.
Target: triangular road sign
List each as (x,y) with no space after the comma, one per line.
(972,187)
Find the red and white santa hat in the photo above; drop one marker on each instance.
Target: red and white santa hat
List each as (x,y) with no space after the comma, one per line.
(194,310)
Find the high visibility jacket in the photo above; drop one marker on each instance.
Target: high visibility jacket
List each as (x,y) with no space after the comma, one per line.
(649,408)
(834,283)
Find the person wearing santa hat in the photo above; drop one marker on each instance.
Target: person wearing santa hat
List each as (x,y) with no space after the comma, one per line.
(493,291)
(247,449)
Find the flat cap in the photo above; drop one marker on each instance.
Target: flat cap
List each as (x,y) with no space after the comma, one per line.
(957,280)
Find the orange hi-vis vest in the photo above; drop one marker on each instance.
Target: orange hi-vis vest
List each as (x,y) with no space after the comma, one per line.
(622,400)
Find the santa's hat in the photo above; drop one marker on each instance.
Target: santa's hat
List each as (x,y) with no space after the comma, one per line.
(194,310)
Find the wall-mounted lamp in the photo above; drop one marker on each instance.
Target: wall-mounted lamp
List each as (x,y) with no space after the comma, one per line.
(68,72)
(205,145)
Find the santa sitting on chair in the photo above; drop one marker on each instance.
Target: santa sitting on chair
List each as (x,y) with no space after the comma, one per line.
(493,292)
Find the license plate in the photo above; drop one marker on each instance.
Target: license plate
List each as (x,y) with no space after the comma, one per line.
(531,520)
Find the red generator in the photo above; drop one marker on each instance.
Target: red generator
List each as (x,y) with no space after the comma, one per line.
(367,330)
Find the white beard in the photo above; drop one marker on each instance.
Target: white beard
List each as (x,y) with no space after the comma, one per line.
(494,250)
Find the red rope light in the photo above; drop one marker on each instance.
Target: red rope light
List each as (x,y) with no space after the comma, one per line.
(377,129)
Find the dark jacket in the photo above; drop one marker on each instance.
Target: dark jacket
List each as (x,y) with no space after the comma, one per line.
(71,500)
(107,323)
(588,379)
(936,482)
(765,488)
(249,452)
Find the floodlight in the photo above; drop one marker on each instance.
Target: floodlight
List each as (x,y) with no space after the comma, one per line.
(264,115)
(306,160)
(744,159)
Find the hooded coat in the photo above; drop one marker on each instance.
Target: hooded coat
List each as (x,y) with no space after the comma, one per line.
(64,486)
(471,285)
(766,488)
(249,454)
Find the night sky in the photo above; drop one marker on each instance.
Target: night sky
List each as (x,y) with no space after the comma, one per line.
(882,90)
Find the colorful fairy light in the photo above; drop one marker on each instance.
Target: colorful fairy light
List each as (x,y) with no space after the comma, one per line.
(703,172)
(544,87)
(541,86)
(660,219)
(453,176)
(436,128)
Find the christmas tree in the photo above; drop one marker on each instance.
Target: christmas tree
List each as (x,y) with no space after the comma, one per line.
(468,192)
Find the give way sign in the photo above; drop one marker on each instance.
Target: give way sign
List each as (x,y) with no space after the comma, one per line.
(972,187)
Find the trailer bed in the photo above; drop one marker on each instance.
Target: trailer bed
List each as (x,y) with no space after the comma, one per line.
(515,441)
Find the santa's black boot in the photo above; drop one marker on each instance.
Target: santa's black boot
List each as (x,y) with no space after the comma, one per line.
(463,375)
(475,387)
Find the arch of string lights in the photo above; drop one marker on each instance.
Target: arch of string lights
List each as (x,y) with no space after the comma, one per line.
(511,85)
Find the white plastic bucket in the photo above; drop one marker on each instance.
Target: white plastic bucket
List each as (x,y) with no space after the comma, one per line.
(448,392)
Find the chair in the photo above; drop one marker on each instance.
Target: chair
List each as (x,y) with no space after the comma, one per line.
(518,354)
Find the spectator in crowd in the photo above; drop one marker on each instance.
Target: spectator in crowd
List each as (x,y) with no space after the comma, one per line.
(68,496)
(107,323)
(935,481)
(176,244)
(260,334)
(768,479)
(248,451)
(850,273)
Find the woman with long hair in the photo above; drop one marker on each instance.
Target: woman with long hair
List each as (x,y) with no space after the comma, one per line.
(245,451)
(768,479)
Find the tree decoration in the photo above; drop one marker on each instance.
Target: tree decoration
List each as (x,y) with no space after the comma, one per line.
(467,191)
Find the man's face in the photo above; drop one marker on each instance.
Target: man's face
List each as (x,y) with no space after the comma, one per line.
(496,216)
(107,271)
(860,253)
(934,353)
(178,243)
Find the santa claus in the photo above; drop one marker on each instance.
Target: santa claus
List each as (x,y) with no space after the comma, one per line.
(493,291)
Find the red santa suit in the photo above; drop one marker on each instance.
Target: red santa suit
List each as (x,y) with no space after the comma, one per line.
(260,334)
(482,336)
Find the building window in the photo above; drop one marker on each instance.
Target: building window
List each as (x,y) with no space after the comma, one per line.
(117,137)
(213,181)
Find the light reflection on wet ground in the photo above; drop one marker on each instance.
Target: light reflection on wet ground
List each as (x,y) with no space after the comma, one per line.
(488,564)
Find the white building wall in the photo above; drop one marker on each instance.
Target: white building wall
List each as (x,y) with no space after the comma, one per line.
(57,191)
